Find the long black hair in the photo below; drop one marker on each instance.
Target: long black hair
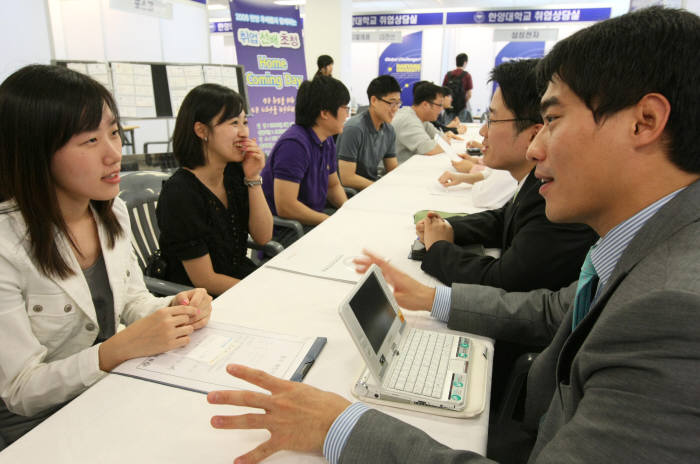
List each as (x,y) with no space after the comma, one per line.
(41,108)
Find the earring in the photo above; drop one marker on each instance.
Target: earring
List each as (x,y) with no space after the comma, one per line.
(206,139)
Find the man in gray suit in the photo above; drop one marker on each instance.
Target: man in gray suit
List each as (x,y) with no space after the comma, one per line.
(620,379)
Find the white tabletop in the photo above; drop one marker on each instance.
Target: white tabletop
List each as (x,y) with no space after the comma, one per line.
(122,419)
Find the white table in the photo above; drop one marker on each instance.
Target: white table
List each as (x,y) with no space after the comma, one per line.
(121,419)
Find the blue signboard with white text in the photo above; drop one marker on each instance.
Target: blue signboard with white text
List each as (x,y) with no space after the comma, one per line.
(269,45)
(518,51)
(398,19)
(555,15)
(404,61)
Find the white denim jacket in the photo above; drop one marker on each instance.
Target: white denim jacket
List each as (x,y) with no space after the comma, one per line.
(48,325)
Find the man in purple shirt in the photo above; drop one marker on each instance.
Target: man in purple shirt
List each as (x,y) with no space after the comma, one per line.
(300,175)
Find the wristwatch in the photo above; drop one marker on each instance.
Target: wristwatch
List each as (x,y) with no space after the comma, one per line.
(252,183)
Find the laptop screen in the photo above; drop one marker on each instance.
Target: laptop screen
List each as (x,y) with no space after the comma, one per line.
(373,311)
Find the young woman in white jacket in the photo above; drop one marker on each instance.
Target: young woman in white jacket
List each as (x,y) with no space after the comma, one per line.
(68,275)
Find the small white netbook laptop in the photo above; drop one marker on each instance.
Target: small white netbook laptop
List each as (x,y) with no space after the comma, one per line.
(407,365)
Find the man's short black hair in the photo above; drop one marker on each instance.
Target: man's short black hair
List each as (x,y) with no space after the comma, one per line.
(446,91)
(518,83)
(425,91)
(461,59)
(323,93)
(382,86)
(323,61)
(613,64)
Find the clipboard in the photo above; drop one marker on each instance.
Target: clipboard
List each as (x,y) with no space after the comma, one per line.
(309,359)
(201,365)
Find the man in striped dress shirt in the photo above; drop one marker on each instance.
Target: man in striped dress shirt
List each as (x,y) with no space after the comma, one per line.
(620,382)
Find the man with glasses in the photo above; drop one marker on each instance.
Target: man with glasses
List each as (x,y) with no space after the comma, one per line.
(412,135)
(300,177)
(535,253)
(368,138)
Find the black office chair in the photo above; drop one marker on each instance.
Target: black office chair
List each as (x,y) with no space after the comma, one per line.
(140,191)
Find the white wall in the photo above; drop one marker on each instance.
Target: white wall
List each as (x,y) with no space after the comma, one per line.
(25,35)
(692,5)
(89,30)
(328,31)
(223,48)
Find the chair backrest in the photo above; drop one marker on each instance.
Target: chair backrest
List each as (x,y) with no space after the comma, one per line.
(140,191)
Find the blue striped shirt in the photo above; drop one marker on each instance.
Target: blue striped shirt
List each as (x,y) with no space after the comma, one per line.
(609,249)
(340,431)
(605,256)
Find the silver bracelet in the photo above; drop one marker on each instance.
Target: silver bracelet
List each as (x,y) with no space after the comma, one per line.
(252,183)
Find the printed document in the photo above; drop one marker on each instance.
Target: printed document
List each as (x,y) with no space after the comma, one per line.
(201,365)
(332,266)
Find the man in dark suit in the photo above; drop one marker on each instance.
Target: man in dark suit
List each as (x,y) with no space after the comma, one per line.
(535,252)
(619,381)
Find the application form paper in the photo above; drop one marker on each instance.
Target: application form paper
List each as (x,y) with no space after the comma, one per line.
(201,365)
(332,266)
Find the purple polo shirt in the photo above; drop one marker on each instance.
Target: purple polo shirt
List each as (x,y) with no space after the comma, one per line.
(300,157)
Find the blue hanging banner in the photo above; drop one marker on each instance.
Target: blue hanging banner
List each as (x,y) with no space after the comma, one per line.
(558,15)
(398,19)
(518,51)
(269,45)
(404,61)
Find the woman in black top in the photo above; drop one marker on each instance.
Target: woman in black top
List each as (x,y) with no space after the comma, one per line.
(208,207)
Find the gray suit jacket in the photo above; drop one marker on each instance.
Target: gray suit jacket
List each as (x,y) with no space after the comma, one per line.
(623,387)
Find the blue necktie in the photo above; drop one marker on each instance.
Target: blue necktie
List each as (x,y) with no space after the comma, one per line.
(587,283)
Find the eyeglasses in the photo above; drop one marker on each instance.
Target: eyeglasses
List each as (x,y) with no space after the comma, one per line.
(487,116)
(346,107)
(392,104)
(439,105)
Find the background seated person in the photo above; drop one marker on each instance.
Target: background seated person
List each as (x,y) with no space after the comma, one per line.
(477,173)
(300,175)
(412,135)
(492,194)
(209,205)
(68,273)
(535,252)
(368,137)
(448,121)
(433,128)
(470,170)
(469,163)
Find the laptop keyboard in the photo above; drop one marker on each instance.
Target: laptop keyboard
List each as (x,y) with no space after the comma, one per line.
(422,366)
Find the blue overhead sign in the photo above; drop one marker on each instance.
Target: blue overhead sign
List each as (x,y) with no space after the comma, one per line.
(221,26)
(393,20)
(558,15)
